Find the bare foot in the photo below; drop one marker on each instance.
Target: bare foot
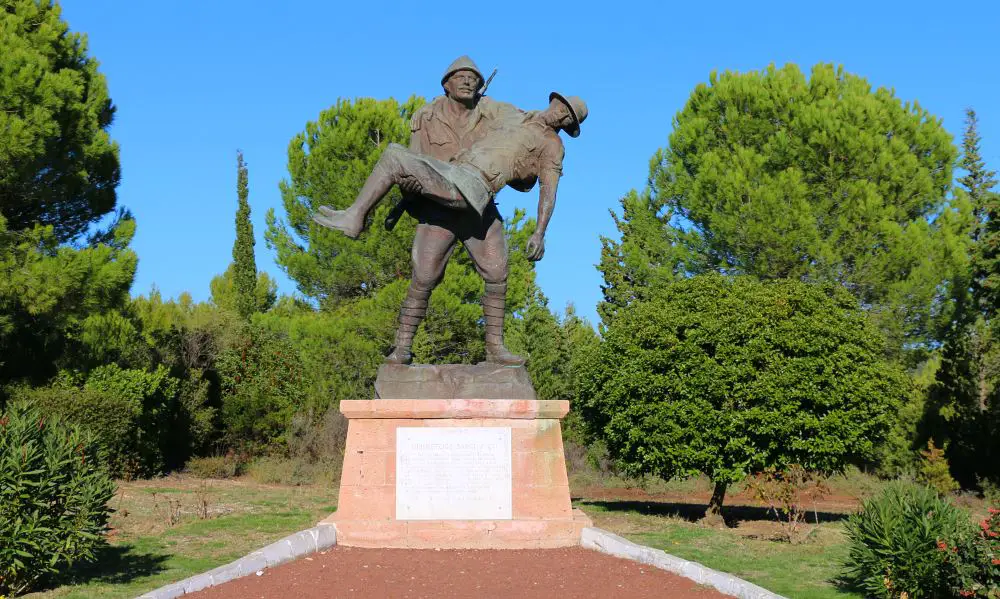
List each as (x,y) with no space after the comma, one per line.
(341,220)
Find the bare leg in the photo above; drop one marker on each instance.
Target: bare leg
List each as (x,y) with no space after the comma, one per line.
(352,221)
(397,165)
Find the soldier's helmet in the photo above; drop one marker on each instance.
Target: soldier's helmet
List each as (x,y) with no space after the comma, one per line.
(462,63)
(577,108)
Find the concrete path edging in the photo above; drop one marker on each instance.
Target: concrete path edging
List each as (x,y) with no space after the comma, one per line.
(612,544)
(291,547)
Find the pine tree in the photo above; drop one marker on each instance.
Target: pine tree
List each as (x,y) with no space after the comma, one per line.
(775,174)
(328,163)
(58,165)
(978,183)
(244,264)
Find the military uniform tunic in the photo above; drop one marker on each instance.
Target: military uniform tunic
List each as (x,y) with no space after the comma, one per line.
(435,133)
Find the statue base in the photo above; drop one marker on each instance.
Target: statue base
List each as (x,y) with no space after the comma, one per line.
(455,474)
(453,381)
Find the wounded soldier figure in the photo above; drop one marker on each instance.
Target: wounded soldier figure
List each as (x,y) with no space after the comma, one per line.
(518,151)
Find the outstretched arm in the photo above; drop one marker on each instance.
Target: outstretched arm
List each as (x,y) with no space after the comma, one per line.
(548,183)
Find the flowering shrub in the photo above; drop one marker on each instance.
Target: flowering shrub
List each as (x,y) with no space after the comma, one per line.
(982,572)
(908,541)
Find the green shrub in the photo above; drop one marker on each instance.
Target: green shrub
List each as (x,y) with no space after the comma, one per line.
(991,491)
(53,497)
(227,466)
(934,469)
(728,376)
(262,382)
(908,540)
(131,412)
(318,439)
(985,559)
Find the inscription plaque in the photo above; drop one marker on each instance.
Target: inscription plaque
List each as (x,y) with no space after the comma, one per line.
(453,473)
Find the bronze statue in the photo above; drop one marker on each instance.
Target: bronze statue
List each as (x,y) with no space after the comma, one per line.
(490,147)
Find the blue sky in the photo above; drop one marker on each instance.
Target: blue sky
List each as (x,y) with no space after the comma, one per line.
(195,81)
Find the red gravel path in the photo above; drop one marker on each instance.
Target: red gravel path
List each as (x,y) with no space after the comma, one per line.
(417,573)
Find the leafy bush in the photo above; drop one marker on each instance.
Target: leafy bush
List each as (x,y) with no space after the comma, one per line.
(223,466)
(985,559)
(934,469)
(131,412)
(318,439)
(991,491)
(53,497)
(728,376)
(908,541)
(262,382)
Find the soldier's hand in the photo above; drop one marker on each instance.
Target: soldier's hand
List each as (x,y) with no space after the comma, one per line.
(536,247)
(410,185)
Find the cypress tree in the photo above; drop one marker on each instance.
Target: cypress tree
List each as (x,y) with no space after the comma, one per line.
(244,264)
(960,401)
(978,183)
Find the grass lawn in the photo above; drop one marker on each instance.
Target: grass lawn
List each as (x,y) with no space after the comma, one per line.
(799,571)
(168,529)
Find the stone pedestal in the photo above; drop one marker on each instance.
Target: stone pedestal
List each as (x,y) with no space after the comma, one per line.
(457,473)
(453,381)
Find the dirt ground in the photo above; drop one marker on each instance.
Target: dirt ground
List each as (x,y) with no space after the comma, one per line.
(833,503)
(414,574)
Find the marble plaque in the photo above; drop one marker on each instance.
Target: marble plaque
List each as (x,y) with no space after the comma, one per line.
(453,473)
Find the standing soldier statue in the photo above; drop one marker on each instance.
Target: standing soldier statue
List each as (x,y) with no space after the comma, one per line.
(463,150)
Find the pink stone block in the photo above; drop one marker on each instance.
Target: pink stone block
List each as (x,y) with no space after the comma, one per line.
(462,534)
(550,469)
(514,424)
(369,533)
(541,502)
(522,468)
(351,473)
(371,434)
(390,471)
(370,502)
(356,408)
(546,435)
(466,534)
(396,408)
(454,408)
(539,469)
(448,422)
(526,530)
(376,467)
(442,408)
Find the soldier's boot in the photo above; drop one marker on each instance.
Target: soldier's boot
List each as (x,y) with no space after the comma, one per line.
(413,311)
(352,221)
(494,300)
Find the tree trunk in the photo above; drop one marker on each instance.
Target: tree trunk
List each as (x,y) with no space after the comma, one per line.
(713,515)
